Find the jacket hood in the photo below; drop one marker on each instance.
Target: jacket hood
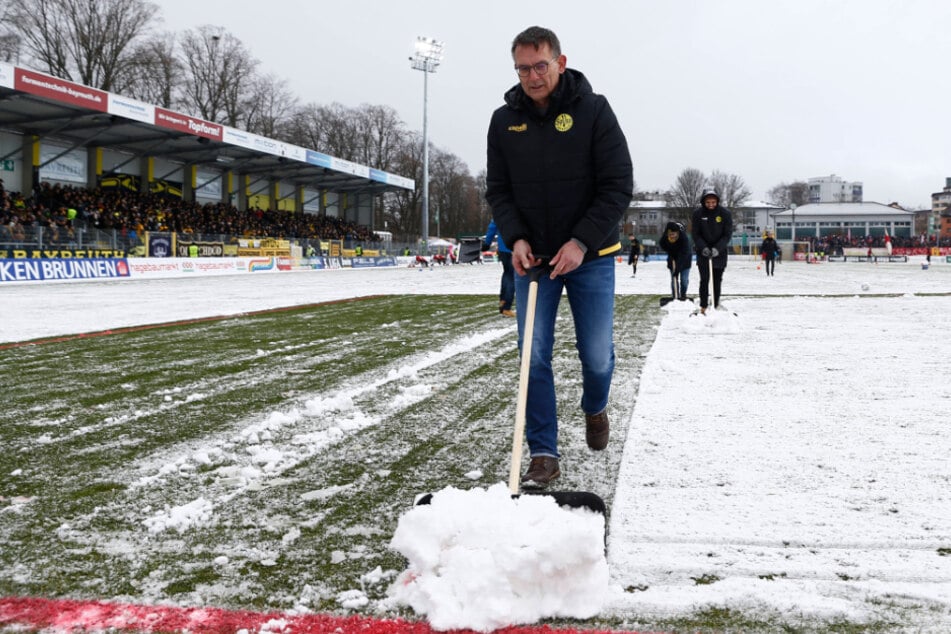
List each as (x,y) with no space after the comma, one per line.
(709,191)
(571,85)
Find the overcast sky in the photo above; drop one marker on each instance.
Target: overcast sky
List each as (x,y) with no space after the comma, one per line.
(772,91)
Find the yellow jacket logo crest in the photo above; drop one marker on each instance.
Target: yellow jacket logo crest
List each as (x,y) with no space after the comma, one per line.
(518,128)
(563,122)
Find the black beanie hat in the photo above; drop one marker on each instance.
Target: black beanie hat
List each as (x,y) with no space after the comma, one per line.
(673,226)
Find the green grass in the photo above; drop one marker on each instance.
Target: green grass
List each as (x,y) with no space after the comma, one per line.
(102,435)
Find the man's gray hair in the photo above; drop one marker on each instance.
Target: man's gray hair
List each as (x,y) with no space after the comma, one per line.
(537,36)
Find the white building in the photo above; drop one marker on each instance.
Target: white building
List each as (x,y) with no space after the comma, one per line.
(646,218)
(940,221)
(755,218)
(843,219)
(832,189)
(941,201)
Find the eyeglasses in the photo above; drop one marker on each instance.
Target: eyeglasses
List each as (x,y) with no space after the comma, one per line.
(540,68)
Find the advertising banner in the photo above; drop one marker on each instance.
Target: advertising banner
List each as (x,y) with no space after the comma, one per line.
(131,108)
(60,90)
(208,184)
(70,167)
(184,123)
(205,249)
(236,137)
(280,263)
(369,262)
(55,269)
(160,245)
(318,158)
(62,253)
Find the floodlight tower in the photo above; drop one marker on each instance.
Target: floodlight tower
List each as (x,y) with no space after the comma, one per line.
(426,58)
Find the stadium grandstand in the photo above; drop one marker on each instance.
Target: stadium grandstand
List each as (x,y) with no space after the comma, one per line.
(93,172)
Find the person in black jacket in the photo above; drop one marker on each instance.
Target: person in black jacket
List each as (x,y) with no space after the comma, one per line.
(712,228)
(635,255)
(769,249)
(559,178)
(676,245)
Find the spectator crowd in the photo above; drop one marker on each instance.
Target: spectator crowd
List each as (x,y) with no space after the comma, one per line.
(61,209)
(835,244)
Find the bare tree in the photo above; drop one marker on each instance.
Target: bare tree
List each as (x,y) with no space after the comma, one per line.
(305,127)
(402,209)
(340,135)
(453,194)
(9,39)
(786,194)
(329,129)
(685,194)
(87,41)
(380,133)
(799,193)
(153,72)
(485,212)
(731,188)
(9,47)
(370,135)
(220,71)
(268,106)
(378,136)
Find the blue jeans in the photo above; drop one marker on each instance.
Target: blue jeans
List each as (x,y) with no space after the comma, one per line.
(590,290)
(684,281)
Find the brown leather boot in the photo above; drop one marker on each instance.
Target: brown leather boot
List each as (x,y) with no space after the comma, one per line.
(541,471)
(597,430)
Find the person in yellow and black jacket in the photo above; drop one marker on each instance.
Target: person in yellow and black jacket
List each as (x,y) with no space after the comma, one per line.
(711,228)
(559,178)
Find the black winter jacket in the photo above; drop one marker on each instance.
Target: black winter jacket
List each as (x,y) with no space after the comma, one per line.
(713,229)
(677,252)
(560,175)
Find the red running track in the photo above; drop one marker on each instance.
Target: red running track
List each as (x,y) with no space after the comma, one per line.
(66,615)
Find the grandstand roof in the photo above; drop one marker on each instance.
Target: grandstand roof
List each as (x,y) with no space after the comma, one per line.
(845,209)
(33,103)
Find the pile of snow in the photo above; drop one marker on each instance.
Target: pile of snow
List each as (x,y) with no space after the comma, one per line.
(481,560)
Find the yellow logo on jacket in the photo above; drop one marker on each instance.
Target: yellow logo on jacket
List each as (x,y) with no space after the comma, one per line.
(518,128)
(719,218)
(563,122)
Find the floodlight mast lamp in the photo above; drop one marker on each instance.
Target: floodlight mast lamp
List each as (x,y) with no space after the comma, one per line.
(426,58)
(792,207)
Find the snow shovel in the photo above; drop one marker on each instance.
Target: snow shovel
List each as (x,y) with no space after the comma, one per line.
(675,284)
(573,499)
